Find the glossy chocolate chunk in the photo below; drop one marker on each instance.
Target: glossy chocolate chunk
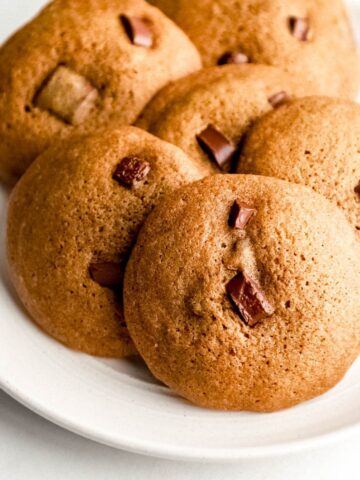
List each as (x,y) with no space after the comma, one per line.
(240,215)
(67,95)
(216,146)
(249,300)
(278,99)
(300,28)
(237,58)
(107,274)
(357,189)
(131,171)
(138,31)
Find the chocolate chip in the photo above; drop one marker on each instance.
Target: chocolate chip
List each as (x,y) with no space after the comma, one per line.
(300,28)
(237,58)
(278,99)
(249,299)
(357,189)
(216,146)
(240,215)
(131,171)
(68,95)
(138,31)
(119,309)
(107,274)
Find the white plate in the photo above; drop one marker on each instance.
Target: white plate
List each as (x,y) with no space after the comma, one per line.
(119,404)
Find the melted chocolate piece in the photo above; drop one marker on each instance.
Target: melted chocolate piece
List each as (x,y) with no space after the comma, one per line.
(131,171)
(216,146)
(278,99)
(357,189)
(249,300)
(300,28)
(237,58)
(138,31)
(67,95)
(240,215)
(107,274)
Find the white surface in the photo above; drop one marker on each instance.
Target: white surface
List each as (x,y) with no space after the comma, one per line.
(31,447)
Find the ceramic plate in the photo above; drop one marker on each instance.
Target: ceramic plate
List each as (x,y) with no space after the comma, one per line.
(118,403)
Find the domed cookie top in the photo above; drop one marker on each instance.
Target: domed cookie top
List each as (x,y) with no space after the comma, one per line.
(310,38)
(207,113)
(73,218)
(80,65)
(249,299)
(314,141)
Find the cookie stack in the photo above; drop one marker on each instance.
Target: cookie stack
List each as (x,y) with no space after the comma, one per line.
(189,191)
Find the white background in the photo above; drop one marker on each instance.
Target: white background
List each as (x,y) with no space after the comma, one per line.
(32,448)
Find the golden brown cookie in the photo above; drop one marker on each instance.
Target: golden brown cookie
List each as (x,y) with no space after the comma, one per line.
(314,141)
(249,298)
(73,218)
(309,38)
(227,98)
(80,65)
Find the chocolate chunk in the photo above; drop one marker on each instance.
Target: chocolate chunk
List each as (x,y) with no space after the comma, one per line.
(138,30)
(300,28)
(67,95)
(240,215)
(249,299)
(217,146)
(119,317)
(131,171)
(119,309)
(107,274)
(237,58)
(357,189)
(278,99)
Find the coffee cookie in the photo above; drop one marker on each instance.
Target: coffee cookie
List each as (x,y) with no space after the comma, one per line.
(73,218)
(314,141)
(79,66)
(309,38)
(249,297)
(207,113)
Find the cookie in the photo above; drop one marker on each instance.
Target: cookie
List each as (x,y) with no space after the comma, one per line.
(73,218)
(314,141)
(79,66)
(309,38)
(243,293)
(226,99)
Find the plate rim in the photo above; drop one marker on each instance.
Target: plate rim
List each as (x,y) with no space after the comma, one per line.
(127,442)
(178,453)
(137,444)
